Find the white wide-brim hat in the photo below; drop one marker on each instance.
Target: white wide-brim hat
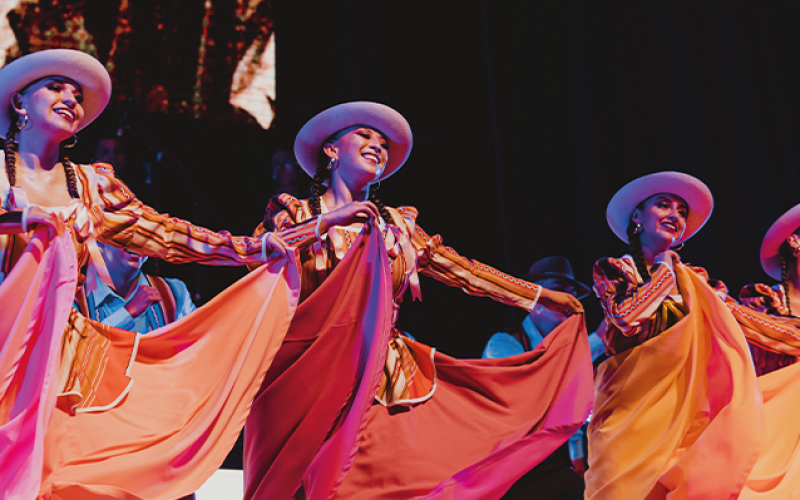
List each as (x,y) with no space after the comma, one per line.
(777,234)
(689,188)
(78,66)
(374,115)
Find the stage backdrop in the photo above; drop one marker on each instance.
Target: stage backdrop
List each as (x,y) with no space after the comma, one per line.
(202,59)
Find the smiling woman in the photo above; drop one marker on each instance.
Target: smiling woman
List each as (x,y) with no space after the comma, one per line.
(59,366)
(360,409)
(678,400)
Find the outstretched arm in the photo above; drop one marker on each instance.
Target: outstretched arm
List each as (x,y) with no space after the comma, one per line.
(122,220)
(444,264)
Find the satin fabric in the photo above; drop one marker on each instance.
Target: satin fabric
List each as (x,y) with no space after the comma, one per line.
(316,432)
(36,298)
(776,475)
(193,382)
(679,416)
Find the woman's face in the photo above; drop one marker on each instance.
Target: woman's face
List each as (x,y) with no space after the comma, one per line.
(361,153)
(663,220)
(53,105)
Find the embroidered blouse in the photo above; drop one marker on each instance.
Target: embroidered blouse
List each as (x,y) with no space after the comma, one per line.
(770,301)
(637,311)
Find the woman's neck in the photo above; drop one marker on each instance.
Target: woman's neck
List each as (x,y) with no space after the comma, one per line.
(793,278)
(650,255)
(36,154)
(340,193)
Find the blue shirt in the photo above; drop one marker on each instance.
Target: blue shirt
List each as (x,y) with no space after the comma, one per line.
(107,307)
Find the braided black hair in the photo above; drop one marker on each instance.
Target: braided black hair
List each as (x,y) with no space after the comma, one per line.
(317,189)
(11,150)
(635,249)
(786,254)
(373,197)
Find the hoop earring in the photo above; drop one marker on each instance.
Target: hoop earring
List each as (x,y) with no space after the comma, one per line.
(74,142)
(25,121)
(637,229)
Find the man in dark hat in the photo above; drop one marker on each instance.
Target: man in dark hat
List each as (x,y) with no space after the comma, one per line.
(559,476)
(554,273)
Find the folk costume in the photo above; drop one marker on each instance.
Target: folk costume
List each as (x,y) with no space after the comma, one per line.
(375,414)
(772,300)
(87,410)
(678,400)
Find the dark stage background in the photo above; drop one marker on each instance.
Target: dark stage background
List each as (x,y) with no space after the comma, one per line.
(527,117)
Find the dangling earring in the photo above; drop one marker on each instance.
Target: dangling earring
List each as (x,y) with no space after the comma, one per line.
(74,142)
(678,247)
(796,251)
(637,229)
(333,164)
(22,122)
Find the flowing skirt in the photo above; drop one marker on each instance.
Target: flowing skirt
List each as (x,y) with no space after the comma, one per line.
(36,298)
(681,415)
(193,382)
(316,432)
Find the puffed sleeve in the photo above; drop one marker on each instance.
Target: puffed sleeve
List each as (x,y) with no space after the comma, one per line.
(444,264)
(625,301)
(121,219)
(292,218)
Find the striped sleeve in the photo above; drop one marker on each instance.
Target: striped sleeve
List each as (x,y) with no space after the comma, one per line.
(444,264)
(120,218)
(291,217)
(763,323)
(627,302)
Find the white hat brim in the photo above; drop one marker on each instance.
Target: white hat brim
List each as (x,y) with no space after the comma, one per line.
(78,66)
(378,116)
(776,235)
(691,189)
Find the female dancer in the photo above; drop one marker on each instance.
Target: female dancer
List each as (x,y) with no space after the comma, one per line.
(678,410)
(779,250)
(438,426)
(50,354)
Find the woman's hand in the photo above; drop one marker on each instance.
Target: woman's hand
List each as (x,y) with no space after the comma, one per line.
(37,216)
(351,213)
(669,256)
(274,242)
(560,301)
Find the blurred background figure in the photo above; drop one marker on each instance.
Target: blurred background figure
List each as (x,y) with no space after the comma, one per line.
(136,171)
(287,176)
(133,300)
(559,477)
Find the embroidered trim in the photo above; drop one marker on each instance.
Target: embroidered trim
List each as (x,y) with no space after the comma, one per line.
(650,292)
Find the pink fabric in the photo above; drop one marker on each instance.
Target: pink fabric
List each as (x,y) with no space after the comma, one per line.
(310,409)
(489,422)
(36,298)
(193,384)
(314,431)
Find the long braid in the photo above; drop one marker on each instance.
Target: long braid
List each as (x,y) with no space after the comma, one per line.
(635,249)
(373,197)
(11,150)
(72,180)
(317,189)
(785,251)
